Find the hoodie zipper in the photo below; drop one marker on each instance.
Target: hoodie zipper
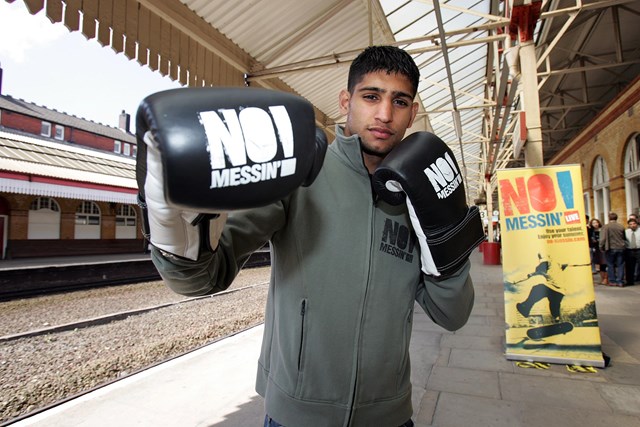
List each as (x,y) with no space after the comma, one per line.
(362,310)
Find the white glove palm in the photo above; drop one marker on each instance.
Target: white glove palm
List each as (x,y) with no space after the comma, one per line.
(172,230)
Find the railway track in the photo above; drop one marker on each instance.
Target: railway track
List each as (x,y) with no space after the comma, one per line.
(113,317)
(44,365)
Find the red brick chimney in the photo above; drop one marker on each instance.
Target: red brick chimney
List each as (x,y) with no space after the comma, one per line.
(124,122)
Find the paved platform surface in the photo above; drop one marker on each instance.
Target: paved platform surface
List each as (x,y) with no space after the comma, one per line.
(460,379)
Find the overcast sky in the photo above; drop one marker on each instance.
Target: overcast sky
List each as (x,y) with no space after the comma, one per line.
(47,65)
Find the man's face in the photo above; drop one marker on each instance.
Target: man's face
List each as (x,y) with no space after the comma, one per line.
(633,225)
(379,111)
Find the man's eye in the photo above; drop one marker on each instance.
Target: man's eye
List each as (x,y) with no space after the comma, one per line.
(370,96)
(401,102)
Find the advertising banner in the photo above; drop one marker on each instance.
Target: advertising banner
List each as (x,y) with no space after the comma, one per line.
(550,308)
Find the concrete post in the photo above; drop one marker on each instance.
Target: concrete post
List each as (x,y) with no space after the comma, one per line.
(489,192)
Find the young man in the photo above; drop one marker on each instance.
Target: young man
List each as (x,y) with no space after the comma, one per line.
(345,270)
(612,242)
(632,250)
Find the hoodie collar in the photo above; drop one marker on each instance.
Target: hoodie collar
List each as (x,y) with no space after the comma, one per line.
(349,149)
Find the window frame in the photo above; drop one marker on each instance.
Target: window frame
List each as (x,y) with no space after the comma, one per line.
(88,213)
(59,132)
(45,129)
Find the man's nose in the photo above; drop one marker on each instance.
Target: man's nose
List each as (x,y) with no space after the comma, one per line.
(384,112)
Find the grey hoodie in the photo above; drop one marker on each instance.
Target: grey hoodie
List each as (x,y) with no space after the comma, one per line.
(345,275)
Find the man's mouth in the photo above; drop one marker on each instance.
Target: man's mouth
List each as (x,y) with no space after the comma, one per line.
(381,133)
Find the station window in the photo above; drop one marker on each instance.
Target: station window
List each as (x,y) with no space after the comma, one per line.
(44,203)
(45,129)
(44,219)
(59,135)
(600,184)
(126,222)
(117,147)
(126,216)
(127,149)
(88,213)
(632,174)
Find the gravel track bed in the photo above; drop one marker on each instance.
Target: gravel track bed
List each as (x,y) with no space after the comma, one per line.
(38,371)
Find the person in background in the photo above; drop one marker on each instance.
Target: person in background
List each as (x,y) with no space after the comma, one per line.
(592,243)
(636,274)
(598,259)
(613,244)
(632,252)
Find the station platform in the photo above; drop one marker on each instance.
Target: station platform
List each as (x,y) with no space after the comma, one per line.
(459,379)
(66,261)
(25,277)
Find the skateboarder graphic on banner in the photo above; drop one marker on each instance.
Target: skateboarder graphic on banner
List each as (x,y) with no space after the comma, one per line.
(548,288)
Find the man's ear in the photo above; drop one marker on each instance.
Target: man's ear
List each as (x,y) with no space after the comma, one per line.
(343,101)
(414,112)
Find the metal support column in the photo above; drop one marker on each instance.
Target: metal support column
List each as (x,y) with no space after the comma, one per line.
(531,103)
(524,14)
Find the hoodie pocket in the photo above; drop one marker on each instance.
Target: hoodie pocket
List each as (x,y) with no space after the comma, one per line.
(303,320)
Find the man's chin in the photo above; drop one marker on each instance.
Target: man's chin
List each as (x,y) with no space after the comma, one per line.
(382,153)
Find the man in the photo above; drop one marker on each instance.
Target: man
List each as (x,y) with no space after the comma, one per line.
(345,269)
(612,242)
(637,271)
(592,244)
(632,252)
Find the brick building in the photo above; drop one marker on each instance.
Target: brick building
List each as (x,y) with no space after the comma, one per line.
(67,185)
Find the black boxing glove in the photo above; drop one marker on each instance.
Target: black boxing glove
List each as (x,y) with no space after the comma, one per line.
(422,169)
(203,151)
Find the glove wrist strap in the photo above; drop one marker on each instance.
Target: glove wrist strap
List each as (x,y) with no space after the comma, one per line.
(452,247)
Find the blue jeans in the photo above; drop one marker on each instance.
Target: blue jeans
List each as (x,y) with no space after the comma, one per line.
(615,265)
(268,422)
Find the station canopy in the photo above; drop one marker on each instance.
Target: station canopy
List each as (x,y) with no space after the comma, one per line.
(586,53)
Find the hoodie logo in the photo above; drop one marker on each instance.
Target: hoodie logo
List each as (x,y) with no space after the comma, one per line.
(243,145)
(397,240)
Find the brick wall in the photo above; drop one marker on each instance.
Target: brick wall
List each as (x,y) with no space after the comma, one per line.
(21,122)
(607,136)
(20,246)
(33,125)
(92,140)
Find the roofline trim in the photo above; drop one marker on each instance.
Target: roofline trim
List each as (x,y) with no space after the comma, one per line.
(65,191)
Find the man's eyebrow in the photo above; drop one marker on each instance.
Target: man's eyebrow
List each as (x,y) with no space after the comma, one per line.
(380,90)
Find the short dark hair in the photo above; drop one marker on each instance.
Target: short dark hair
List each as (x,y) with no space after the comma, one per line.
(383,58)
